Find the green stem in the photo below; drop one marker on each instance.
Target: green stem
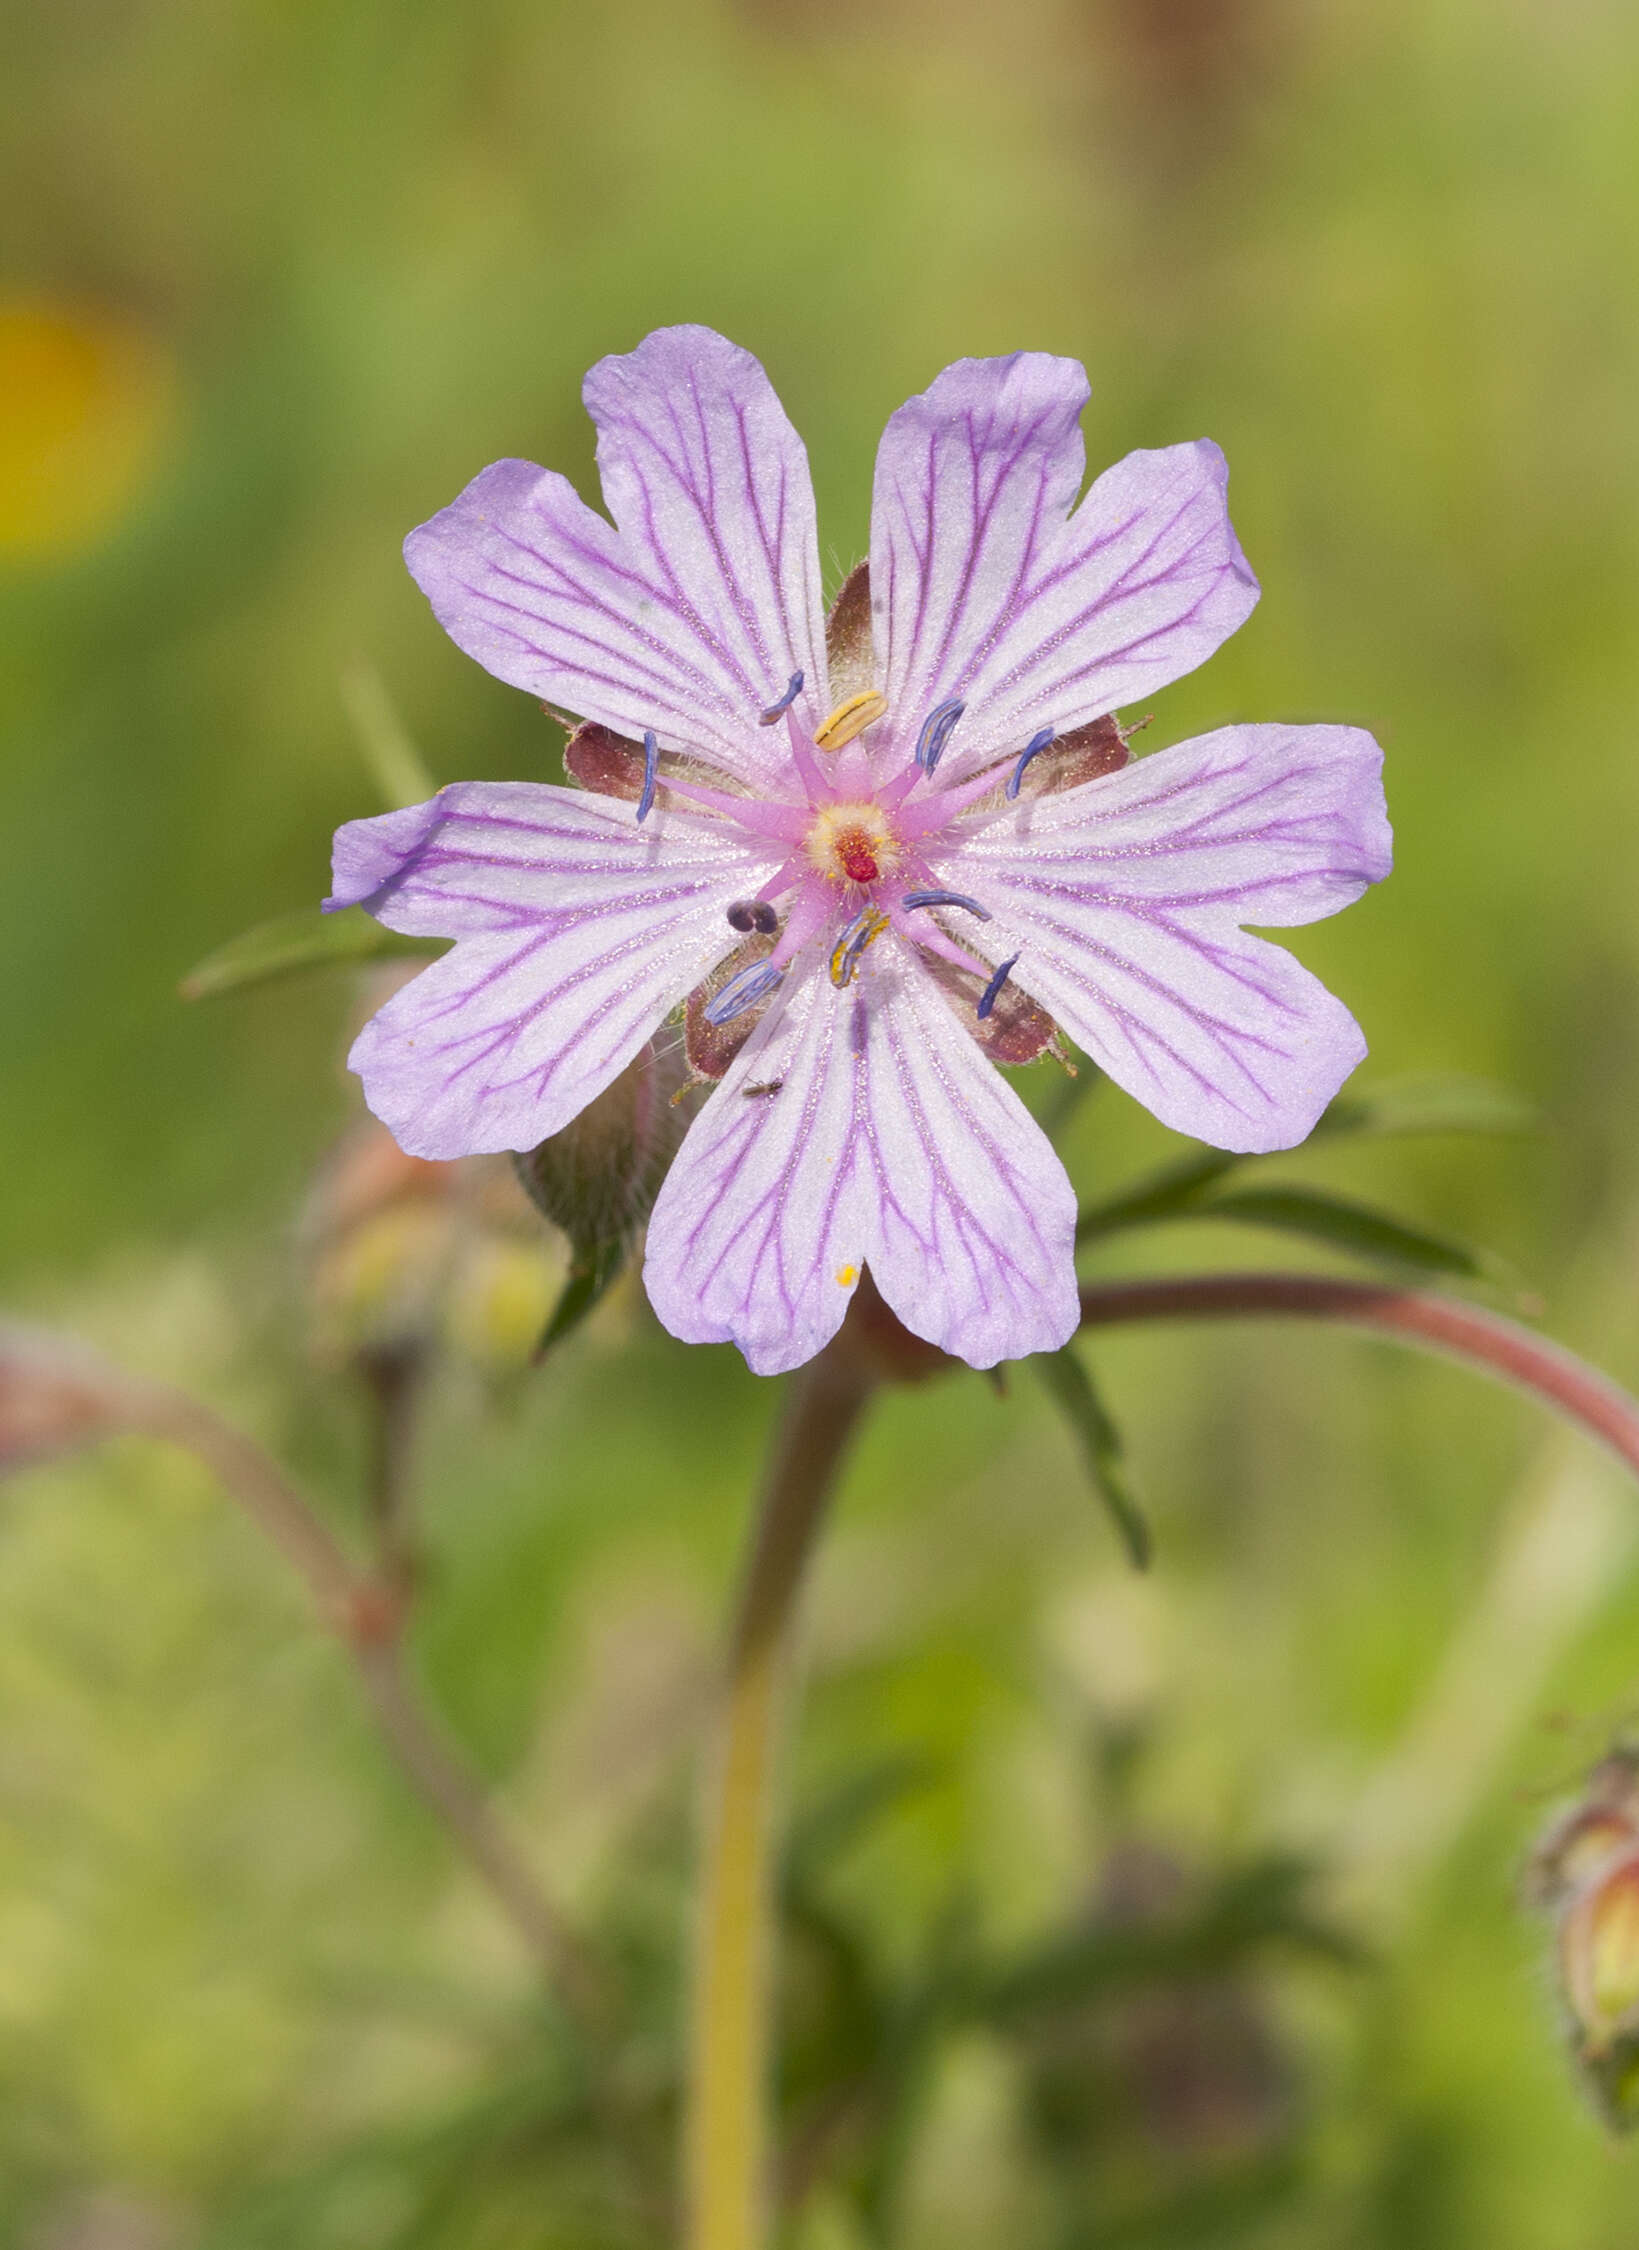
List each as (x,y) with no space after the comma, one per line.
(729,2059)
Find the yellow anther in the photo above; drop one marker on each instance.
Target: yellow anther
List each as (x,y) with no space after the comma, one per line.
(850,718)
(846,954)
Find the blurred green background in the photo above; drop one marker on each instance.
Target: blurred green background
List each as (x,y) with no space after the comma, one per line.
(278,279)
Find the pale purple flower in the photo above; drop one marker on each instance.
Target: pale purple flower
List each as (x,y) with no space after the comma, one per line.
(888,862)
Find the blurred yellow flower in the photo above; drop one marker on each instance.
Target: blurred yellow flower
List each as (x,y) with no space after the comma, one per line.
(87,403)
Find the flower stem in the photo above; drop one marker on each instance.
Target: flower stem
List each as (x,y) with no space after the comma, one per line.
(367,1615)
(1498,1347)
(729,2058)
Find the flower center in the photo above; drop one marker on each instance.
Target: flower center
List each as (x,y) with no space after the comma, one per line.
(852,844)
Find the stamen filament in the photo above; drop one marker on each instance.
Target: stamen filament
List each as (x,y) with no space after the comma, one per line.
(946,898)
(813,776)
(850,718)
(936,732)
(742,992)
(651,772)
(1032,749)
(992,991)
(777,710)
(785,823)
(925,816)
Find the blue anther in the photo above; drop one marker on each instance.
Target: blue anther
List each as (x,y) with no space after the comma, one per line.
(778,710)
(993,990)
(651,771)
(946,898)
(936,732)
(743,992)
(1032,749)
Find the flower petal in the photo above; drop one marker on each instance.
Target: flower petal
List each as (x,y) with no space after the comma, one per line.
(1124,899)
(691,613)
(984,591)
(578,932)
(890,1142)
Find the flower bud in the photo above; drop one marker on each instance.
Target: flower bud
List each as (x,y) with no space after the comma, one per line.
(1586,1870)
(1604,1822)
(599,1177)
(407,1257)
(1599,1957)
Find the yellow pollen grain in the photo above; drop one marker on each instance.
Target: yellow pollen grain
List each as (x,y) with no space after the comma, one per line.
(849,719)
(847,1276)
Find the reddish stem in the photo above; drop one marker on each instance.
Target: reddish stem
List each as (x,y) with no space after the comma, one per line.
(1486,1340)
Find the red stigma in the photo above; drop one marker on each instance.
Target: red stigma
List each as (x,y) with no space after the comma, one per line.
(854,853)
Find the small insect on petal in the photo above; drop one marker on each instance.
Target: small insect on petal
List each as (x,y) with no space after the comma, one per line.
(778,710)
(743,992)
(1032,749)
(651,769)
(936,732)
(946,898)
(863,930)
(992,991)
(849,719)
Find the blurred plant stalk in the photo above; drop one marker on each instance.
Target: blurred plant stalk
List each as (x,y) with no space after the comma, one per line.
(727,2153)
(56,1396)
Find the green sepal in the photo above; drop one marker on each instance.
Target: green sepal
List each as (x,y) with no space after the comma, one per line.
(1344,1225)
(598,1178)
(591,1271)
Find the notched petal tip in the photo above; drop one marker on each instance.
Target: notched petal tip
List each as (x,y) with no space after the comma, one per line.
(879,1137)
(686,604)
(370,855)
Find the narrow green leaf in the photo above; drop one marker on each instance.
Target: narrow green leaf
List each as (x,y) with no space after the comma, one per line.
(822,1832)
(292,943)
(1265,1904)
(1067,1378)
(1343,1225)
(1408,1106)
(1428,1105)
(395,764)
(1168,1194)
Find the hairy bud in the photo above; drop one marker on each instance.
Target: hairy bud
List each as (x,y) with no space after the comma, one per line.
(406,1257)
(598,1178)
(1586,1871)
